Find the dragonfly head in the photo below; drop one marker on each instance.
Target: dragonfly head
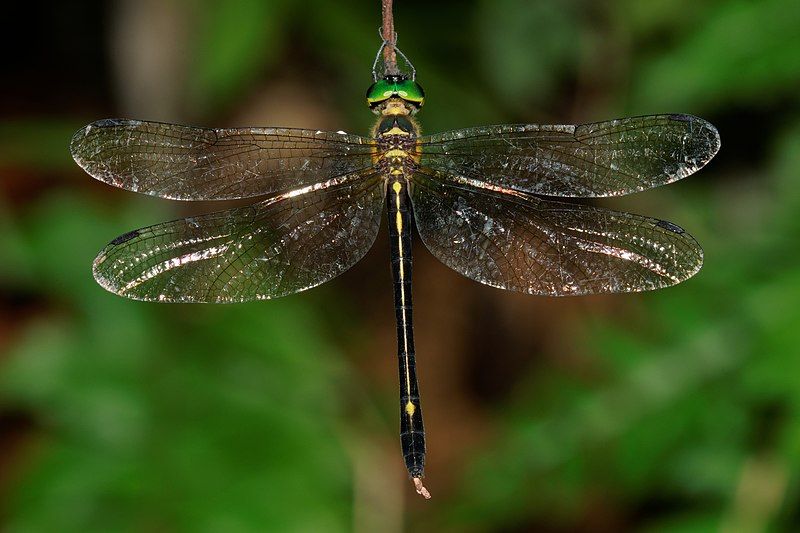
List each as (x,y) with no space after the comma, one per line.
(396,87)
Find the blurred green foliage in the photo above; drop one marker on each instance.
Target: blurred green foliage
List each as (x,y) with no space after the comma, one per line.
(234,40)
(252,417)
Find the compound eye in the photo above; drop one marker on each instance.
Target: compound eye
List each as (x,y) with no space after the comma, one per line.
(378,92)
(411,91)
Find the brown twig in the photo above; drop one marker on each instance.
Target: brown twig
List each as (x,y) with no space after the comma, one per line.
(388,35)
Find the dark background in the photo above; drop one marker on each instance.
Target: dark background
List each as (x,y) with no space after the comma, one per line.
(667,411)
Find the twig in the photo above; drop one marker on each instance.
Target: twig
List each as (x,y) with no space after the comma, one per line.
(388,35)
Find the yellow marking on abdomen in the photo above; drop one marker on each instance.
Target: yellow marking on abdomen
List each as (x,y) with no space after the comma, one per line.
(410,409)
(398,221)
(397,187)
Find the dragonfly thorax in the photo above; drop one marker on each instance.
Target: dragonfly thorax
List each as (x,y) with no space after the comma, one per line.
(396,152)
(395,125)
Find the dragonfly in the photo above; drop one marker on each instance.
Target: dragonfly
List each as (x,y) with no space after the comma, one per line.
(487,201)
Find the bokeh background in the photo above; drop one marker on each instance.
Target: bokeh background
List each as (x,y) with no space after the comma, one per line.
(669,411)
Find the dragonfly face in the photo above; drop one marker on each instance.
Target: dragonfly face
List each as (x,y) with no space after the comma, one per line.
(482,200)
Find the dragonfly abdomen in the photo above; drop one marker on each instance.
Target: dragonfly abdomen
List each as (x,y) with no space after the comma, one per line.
(412,431)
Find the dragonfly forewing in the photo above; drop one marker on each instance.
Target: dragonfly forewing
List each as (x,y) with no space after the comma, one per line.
(523,243)
(279,246)
(610,158)
(189,163)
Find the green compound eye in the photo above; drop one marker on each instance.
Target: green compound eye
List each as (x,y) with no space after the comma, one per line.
(411,91)
(398,86)
(379,91)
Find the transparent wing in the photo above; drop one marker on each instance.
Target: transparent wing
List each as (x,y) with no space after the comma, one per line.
(522,243)
(188,163)
(589,160)
(276,247)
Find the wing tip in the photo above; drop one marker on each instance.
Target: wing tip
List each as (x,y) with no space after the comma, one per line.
(80,138)
(100,276)
(705,138)
(110,284)
(76,145)
(103,272)
(691,245)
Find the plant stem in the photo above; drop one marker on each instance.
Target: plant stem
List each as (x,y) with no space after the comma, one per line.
(387,31)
